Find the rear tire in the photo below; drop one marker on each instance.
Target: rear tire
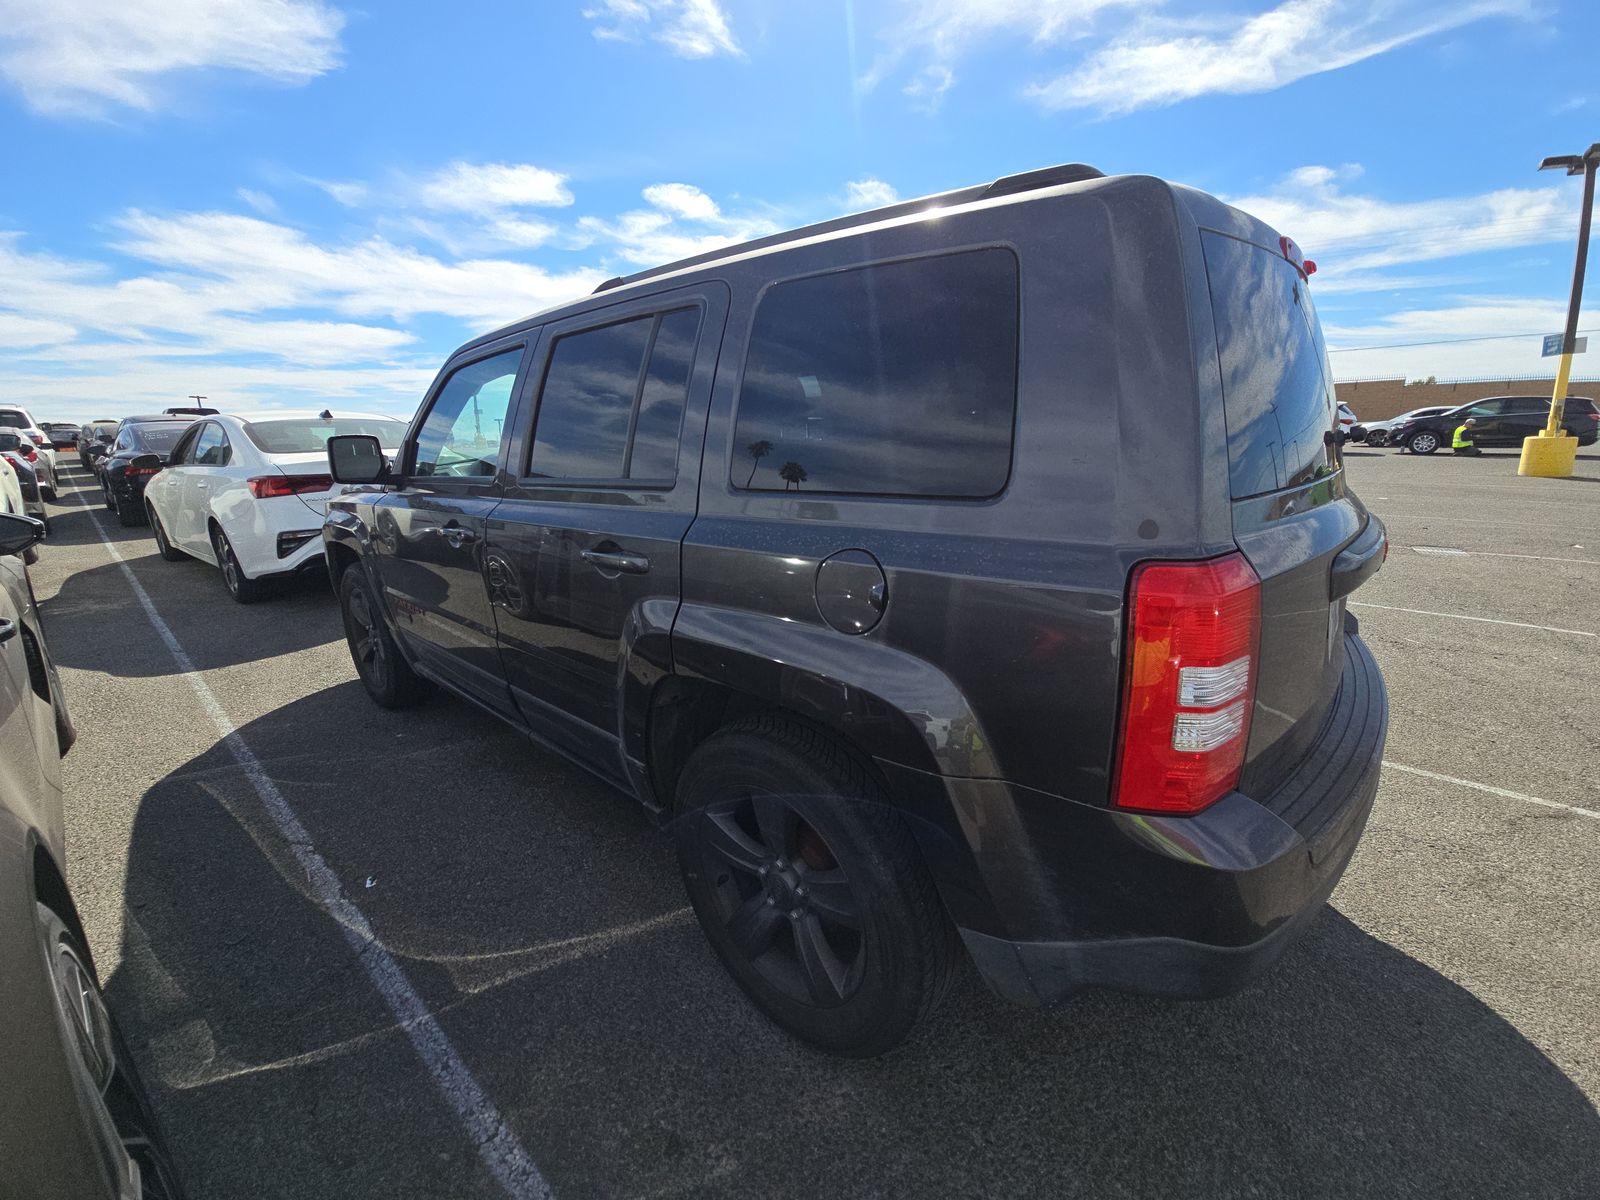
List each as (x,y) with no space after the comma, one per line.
(386,675)
(107,1081)
(169,552)
(1424,441)
(809,887)
(129,514)
(240,586)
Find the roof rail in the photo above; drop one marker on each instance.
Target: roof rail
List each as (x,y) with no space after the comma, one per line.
(1006,185)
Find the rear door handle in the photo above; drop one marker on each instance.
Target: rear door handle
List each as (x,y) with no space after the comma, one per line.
(8,630)
(617,560)
(458,536)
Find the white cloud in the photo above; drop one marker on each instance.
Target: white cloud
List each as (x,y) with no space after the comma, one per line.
(1487,318)
(688,28)
(1163,61)
(935,34)
(491,187)
(348,192)
(260,201)
(1347,232)
(682,221)
(20,332)
(86,56)
(863,194)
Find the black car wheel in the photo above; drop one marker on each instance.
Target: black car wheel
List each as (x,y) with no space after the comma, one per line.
(387,676)
(129,512)
(105,488)
(108,1084)
(1424,441)
(167,549)
(809,887)
(240,586)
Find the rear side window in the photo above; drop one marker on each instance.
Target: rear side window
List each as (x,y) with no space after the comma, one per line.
(1276,386)
(612,403)
(897,380)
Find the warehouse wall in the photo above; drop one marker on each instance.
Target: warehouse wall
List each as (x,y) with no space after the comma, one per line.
(1376,399)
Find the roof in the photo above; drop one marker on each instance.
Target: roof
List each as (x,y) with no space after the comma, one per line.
(307,414)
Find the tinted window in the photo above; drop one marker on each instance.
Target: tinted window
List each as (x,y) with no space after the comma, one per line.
(581,430)
(157,439)
(661,400)
(461,437)
(10,441)
(1277,390)
(211,447)
(310,435)
(899,379)
(15,418)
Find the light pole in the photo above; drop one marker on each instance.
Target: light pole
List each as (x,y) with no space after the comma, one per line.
(1553,452)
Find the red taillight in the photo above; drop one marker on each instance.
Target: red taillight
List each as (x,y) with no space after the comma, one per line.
(1189,683)
(138,472)
(265,487)
(28,452)
(38,439)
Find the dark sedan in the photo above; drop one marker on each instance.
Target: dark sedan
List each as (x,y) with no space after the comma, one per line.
(1498,421)
(73,1117)
(94,439)
(122,479)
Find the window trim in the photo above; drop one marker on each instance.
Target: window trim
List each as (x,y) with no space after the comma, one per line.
(406,477)
(185,444)
(837,269)
(655,308)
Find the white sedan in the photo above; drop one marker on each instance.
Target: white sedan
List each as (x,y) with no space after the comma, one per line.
(247,493)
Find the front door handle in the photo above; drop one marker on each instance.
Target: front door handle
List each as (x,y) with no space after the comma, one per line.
(617,560)
(458,536)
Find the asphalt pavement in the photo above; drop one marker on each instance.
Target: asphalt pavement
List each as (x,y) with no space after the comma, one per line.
(1436,1033)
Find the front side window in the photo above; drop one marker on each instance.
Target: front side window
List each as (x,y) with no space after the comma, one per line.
(898,379)
(613,398)
(211,447)
(461,437)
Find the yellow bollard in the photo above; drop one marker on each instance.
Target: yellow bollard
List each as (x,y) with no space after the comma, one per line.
(1552,453)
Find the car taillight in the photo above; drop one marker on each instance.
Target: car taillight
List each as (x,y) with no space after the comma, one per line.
(265,487)
(138,472)
(28,452)
(38,439)
(1190,677)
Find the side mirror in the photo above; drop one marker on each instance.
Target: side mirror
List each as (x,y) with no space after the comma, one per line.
(148,462)
(17,533)
(356,458)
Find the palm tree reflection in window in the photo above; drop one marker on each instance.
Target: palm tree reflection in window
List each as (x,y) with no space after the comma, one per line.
(758,451)
(792,472)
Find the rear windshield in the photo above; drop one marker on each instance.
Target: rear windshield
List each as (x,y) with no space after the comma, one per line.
(160,438)
(15,418)
(1277,389)
(10,441)
(307,435)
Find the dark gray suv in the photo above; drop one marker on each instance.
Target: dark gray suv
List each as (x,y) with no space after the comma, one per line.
(971,572)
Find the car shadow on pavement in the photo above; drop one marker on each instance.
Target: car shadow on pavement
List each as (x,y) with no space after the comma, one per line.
(86,619)
(540,917)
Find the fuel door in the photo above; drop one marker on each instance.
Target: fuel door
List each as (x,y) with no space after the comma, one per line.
(852,591)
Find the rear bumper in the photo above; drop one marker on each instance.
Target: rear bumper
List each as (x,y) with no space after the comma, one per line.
(1052,896)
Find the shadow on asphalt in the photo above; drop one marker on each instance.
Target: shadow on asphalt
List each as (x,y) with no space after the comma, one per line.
(540,916)
(92,608)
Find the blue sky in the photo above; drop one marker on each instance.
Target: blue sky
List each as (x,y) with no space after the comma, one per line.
(293,202)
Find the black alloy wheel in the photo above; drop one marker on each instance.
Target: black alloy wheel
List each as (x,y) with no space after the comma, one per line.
(169,552)
(809,887)
(387,676)
(240,586)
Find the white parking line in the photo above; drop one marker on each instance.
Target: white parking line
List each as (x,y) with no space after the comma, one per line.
(1453,552)
(497,1146)
(1494,791)
(1422,612)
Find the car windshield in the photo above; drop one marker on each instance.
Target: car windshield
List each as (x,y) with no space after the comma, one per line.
(10,441)
(309,435)
(159,438)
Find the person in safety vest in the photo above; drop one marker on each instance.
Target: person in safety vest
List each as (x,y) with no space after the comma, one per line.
(1461,443)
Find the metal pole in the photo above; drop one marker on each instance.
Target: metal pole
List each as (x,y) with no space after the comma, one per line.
(1558,399)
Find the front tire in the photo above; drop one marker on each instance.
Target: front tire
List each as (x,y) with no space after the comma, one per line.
(387,676)
(1424,441)
(810,889)
(169,552)
(240,586)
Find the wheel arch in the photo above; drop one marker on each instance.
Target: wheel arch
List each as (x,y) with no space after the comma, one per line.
(50,889)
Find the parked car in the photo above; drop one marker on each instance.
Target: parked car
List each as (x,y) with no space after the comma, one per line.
(141,445)
(17,442)
(1347,421)
(21,419)
(75,1115)
(247,493)
(1378,431)
(915,609)
(27,486)
(63,435)
(13,501)
(1499,421)
(94,439)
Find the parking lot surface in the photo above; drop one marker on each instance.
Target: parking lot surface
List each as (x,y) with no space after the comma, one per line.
(1436,1033)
